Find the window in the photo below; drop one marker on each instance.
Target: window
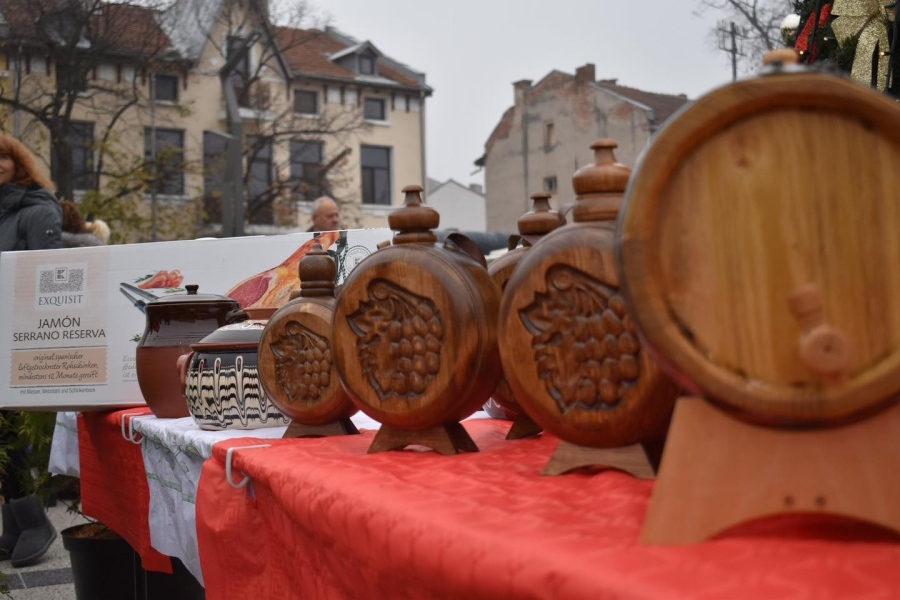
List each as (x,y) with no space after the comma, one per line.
(106,72)
(367,64)
(306,164)
(350,97)
(71,77)
(81,142)
(38,64)
(165,158)
(306,102)
(549,135)
(376,174)
(375,109)
(333,96)
(242,68)
(215,155)
(166,88)
(259,181)
(128,74)
(240,75)
(550,184)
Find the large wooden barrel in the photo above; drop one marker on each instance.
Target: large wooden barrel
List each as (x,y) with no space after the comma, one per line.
(759,248)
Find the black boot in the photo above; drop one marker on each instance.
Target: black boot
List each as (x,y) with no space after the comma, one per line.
(10,533)
(36,531)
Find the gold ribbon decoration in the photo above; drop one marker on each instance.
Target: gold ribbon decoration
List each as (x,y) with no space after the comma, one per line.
(868,19)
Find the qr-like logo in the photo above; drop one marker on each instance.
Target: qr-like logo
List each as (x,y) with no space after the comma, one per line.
(354,256)
(61,280)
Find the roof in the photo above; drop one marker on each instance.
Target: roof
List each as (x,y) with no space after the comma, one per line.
(186,22)
(110,28)
(662,105)
(311,53)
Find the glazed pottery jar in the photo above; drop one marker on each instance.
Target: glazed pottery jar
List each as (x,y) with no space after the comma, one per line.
(173,324)
(221,379)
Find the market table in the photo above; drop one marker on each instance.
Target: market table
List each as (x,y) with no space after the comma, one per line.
(321,518)
(114,488)
(145,490)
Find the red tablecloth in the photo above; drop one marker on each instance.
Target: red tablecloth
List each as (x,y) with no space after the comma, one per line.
(323,519)
(114,488)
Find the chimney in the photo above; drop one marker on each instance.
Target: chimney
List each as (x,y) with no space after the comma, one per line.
(476,187)
(584,75)
(521,88)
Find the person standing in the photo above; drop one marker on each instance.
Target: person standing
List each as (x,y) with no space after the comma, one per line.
(75,232)
(30,219)
(325,215)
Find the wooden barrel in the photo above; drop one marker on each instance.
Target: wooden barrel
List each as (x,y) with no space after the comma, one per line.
(569,349)
(759,248)
(295,351)
(414,329)
(533,226)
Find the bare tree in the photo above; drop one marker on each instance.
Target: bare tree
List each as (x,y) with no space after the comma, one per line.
(277,128)
(68,40)
(760,21)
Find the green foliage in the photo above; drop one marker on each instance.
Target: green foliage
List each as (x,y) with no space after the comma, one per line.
(31,431)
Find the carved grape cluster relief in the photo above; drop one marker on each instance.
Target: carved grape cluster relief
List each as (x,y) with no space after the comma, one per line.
(302,363)
(400,336)
(585,345)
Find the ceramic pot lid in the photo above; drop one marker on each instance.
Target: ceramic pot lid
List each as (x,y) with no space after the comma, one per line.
(238,336)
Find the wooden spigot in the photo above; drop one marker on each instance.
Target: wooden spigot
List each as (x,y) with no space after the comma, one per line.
(823,349)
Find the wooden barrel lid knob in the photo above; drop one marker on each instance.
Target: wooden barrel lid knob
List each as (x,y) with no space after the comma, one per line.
(541,219)
(316,271)
(599,187)
(782,56)
(414,221)
(823,349)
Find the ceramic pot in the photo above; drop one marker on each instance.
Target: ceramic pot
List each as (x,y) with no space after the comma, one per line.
(220,379)
(173,324)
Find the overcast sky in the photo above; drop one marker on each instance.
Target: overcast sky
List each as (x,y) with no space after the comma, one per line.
(472,50)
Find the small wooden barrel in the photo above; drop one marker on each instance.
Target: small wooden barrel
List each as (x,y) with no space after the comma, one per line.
(759,248)
(296,366)
(415,336)
(533,225)
(569,348)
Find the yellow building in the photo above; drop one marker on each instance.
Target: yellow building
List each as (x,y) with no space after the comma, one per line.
(318,112)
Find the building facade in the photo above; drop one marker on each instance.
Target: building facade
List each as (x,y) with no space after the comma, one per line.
(546,135)
(461,208)
(315,112)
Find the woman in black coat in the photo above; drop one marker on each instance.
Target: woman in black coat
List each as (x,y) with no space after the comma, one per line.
(30,216)
(30,219)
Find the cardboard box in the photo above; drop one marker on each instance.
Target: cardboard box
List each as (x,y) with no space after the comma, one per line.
(68,334)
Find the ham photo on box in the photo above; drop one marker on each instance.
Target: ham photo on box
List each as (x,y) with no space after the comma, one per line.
(80,354)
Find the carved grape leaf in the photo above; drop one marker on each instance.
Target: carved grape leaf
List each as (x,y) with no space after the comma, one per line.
(302,363)
(585,348)
(399,340)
